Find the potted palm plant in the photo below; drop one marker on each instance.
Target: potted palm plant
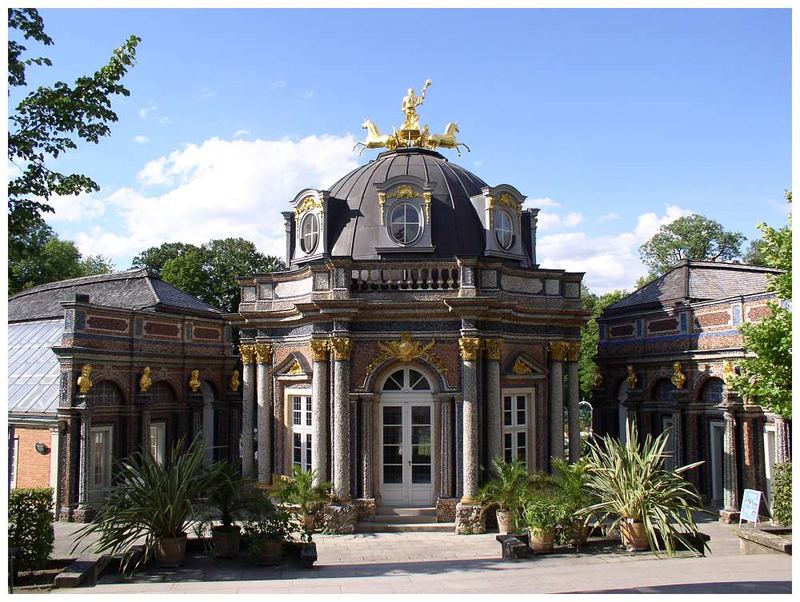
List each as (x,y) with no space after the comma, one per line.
(506,491)
(575,495)
(226,498)
(303,495)
(153,504)
(266,527)
(646,502)
(542,516)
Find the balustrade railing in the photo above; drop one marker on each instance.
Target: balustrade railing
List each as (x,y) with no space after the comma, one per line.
(433,277)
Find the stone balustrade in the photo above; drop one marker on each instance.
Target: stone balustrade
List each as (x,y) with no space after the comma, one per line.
(422,277)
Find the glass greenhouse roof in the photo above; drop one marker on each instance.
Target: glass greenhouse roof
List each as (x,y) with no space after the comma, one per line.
(33,370)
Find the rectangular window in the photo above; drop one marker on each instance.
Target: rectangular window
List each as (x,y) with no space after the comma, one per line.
(158,441)
(100,458)
(515,425)
(14,453)
(301,430)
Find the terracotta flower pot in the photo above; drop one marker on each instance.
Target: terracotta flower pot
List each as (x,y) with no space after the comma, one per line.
(171,551)
(543,540)
(580,532)
(505,521)
(633,535)
(309,522)
(226,540)
(269,552)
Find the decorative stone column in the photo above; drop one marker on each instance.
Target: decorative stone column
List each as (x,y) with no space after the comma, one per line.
(730,482)
(494,402)
(264,411)
(749,452)
(558,352)
(573,399)
(83,461)
(341,348)
(468,511)
(783,440)
(248,353)
(366,449)
(208,429)
(319,410)
(446,504)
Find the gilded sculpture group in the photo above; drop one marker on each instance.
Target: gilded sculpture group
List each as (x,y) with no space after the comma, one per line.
(146,381)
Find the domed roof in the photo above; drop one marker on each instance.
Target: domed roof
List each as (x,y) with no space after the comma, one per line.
(456,227)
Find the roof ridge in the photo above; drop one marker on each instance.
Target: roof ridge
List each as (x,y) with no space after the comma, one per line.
(58,284)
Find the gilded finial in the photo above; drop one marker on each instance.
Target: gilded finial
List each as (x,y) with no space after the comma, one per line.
(85,379)
(145,381)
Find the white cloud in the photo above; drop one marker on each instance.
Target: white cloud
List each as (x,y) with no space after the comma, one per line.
(279,83)
(611,261)
(150,110)
(308,94)
(541,203)
(216,189)
(608,217)
(141,139)
(70,208)
(554,221)
(241,133)
(478,163)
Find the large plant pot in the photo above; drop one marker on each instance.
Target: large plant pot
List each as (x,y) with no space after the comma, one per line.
(269,552)
(543,540)
(580,532)
(309,522)
(171,551)
(226,541)
(505,521)
(633,535)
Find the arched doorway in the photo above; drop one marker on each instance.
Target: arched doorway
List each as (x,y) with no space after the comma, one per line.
(406,439)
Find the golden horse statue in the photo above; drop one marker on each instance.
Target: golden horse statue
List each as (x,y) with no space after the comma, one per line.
(374,138)
(446,140)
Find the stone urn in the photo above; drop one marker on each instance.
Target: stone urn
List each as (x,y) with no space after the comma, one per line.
(543,540)
(505,521)
(171,551)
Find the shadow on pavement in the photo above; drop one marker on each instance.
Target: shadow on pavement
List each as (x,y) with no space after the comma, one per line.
(732,587)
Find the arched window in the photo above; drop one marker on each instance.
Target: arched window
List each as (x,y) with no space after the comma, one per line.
(406,379)
(713,390)
(405,224)
(104,393)
(309,233)
(162,392)
(503,228)
(662,389)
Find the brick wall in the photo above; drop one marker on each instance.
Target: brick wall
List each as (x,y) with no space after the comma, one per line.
(33,468)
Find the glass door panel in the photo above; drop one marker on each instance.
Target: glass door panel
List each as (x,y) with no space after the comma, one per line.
(393,445)
(420,444)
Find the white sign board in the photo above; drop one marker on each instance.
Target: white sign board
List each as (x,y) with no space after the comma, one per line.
(751,502)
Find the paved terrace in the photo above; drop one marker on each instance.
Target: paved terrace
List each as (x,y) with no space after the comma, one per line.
(448,563)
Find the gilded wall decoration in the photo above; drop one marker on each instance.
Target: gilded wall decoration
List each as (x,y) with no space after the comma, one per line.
(263,353)
(248,353)
(85,379)
(558,351)
(235,383)
(521,367)
(295,369)
(319,350)
(494,349)
(307,204)
(633,380)
(406,350)
(470,348)
(573,351)
(194,381)
(342,348)
(145,381)
(678,378)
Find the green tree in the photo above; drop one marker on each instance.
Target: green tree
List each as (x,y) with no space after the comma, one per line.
(692,237)
(766,378)
(590,335)
(50,120)
(43,257)
(210,271)
(754,255)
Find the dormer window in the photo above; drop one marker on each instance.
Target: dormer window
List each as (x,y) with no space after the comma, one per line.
(405,223)
(503,228)
(309,233)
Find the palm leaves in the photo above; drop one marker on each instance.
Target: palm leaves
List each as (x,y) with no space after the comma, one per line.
(509,485)
(632,484)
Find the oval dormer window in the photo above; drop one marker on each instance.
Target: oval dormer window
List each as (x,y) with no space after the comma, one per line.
(405,224)
(503,229)
(309,233)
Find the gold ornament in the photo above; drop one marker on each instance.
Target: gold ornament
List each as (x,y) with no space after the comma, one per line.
(263,353)
(470,348)
(678,378)
(382,201)
(573,351)
(319,350)
(521,367)
(85,379)
(248,353)
(404,191)
(145,381)
(633,380)
(494,349)
(295,368)
(728,372)
(194,381)
(235,383)
(558,351)
(341,348)
(307,204)
(406,350)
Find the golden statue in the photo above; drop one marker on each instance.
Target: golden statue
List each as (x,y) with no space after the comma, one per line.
(234,384)
(145,381)
(678,378)
(85,379)
(194,381)
(410,103)
(728,372)
(633,380)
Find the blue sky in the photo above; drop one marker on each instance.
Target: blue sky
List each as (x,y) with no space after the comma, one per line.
(612,121)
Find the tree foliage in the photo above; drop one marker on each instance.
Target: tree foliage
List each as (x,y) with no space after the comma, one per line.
(766,378)
(210,271)
(590,336)
(50,120)
(692,237)
(40,257)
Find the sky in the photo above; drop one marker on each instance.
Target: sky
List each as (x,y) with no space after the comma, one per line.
(612,121)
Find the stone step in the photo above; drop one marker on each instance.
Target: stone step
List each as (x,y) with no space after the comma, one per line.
(83,571)
(404,519)
(406,511)
(379,527)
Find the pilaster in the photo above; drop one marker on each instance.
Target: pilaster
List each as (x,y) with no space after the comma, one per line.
(248,353)
(319,409)
(264,411)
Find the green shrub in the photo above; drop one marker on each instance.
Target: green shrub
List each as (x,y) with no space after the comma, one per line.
(782,493)
(542,514)
(30,526)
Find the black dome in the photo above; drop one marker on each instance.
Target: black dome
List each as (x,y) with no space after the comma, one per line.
(456,227)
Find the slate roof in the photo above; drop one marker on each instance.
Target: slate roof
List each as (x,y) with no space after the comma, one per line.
(457,229)
(33,371)
(137,289)
(696,281)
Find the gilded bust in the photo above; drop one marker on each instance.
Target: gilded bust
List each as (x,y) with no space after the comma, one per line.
(85,379)
(678,378)
(194,381)
(145,381)
(234,384)
(633,380)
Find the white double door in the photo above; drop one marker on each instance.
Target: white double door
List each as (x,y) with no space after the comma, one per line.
(406,444)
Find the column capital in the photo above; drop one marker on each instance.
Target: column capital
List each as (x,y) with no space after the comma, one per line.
(573,350)
(341,347)
(558,351)
(470,348)
(263,353)
(494,349)
(248,353)
(319,350)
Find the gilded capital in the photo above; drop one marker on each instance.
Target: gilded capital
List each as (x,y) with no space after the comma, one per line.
(573,350)
(248,353)
(263,353)
(470,348)
(558,351)
(341,348)
(494,349)
(319,350)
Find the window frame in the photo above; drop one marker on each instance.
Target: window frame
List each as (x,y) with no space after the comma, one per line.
(158,441)
(95,493)
(516,427)
(511,231)
(316,232)
(304,429)
(390,222)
